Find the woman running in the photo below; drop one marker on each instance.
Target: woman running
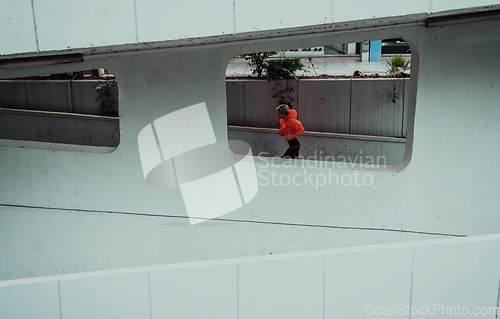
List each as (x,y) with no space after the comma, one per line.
(290,128)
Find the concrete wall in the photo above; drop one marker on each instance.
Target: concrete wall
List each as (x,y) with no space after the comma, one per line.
(31,26)
(68,212)
(58,131)
(430,278)
(323,146)
(77,96)
(354,106)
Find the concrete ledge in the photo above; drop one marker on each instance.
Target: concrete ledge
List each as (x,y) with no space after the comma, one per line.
(331,147)
(58,131)
(323,134)
(313,283)
(71,96)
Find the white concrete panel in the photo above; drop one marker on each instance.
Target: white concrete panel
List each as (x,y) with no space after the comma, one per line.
(247,177)
(351,282)
(255,15)
(442,5)
(289,288)
(344,10)
(464,274)
(106,296)
(32,300)
(442,190)
(175,137)
(84,24)
(194,292)
(18,29)
(148,150)
(358,284)
(170,20)
(211,197)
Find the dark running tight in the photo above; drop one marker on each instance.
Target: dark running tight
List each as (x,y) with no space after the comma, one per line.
(293,149)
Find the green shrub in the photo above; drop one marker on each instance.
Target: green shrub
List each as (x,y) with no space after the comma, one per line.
(109,104)
(280,69)
(397,65)
(257,61)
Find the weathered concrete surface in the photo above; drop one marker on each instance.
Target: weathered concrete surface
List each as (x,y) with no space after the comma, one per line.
(323,146)
(48,96)
(51,130)
(139,23)
(325,106)
(260,105)
(415,277)
(72,212)
(372,110)
(352,106)
(235,92)
(77,96)
(13,95)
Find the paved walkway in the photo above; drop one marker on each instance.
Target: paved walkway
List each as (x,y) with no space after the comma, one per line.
(331,65)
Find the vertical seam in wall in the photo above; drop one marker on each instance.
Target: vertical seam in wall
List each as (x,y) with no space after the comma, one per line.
(403,110)
(34,24)
(244,104)
(237,291)
(498,298)
(234,16)
(157,141)
(332,10)
(60,303)
(161,155)
(136,27)
(350,105)
(26,93)
(70,96)
(297,95)
(324,285)
(149,288)
(238,185)
(411,281)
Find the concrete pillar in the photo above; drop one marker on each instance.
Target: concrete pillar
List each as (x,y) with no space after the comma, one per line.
(351,48)
(375,50)
(365,51)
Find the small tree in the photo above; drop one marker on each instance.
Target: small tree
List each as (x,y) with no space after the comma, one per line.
(283,69)
(396,67)
(257,61)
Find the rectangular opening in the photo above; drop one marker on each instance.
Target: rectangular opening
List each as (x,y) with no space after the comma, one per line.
(353,105)
(75,111)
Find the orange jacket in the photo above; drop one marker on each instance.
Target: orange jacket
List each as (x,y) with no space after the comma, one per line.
(290,125)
